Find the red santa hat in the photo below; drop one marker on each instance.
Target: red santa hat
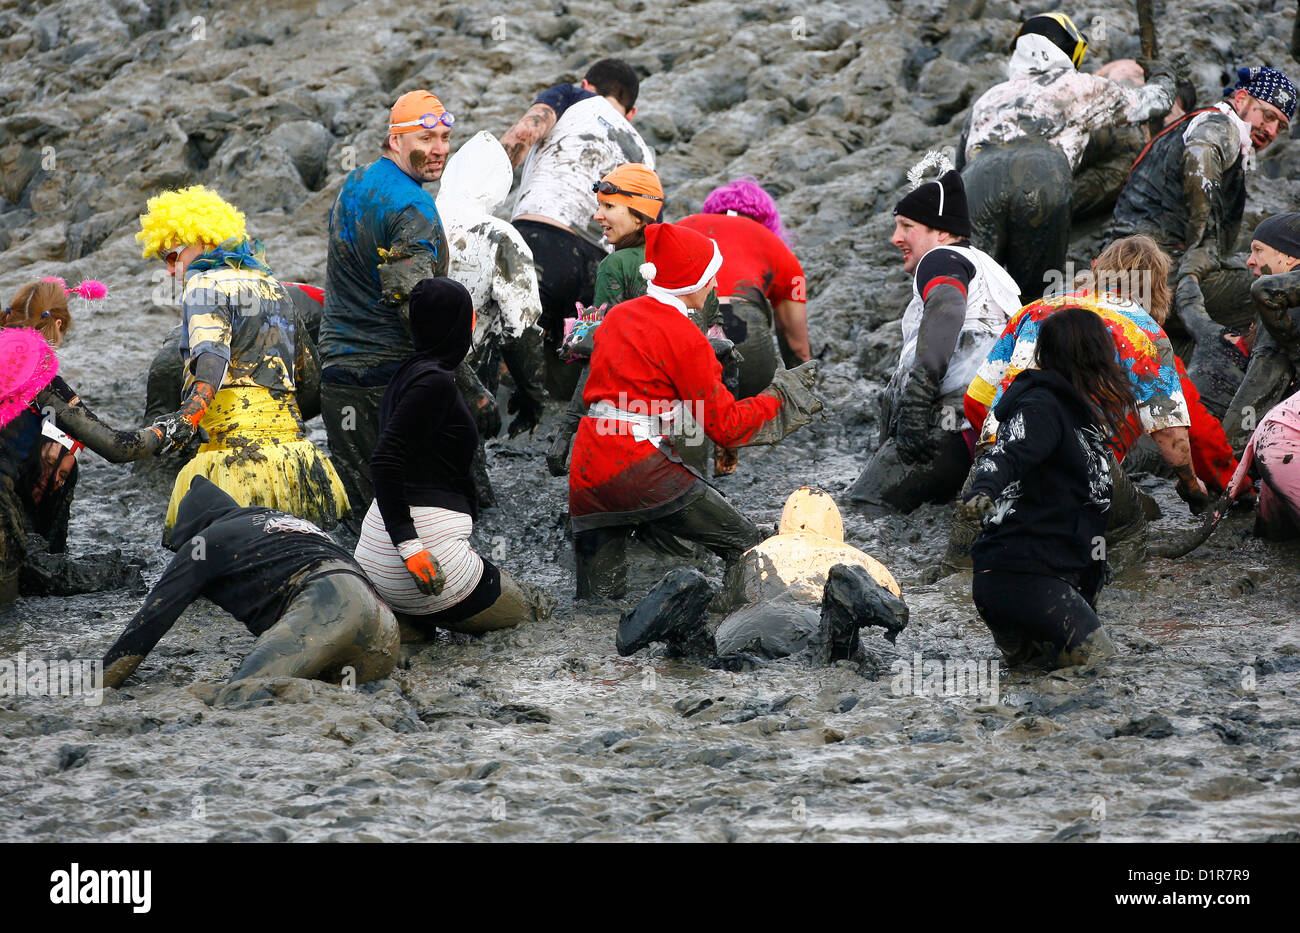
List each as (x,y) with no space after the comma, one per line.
(679,261)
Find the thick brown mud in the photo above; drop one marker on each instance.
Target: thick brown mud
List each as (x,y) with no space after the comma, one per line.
(543,732)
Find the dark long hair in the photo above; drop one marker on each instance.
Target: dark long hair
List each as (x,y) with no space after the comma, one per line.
(1075,344)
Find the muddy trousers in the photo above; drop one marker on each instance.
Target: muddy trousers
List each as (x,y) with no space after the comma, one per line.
(890,483)
(566,273)
(600,554)
(351,415)
(749,325)
(1019,196)
(1040,620)
(335,622)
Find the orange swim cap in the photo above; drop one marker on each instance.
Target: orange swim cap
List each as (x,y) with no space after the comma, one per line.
(409,113)
(637,187)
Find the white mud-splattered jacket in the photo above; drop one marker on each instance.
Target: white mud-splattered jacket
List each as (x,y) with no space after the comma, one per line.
(488,256)
(1046,96)
(992,297)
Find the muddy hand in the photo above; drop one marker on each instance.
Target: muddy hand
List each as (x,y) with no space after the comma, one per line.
(975,508)
(427,573)
(1197,497)
(557,457)
(527,413)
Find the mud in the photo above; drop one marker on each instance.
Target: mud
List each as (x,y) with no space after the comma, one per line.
(542,731)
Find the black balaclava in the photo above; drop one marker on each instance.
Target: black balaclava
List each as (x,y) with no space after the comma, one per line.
(442,315)
(204,504)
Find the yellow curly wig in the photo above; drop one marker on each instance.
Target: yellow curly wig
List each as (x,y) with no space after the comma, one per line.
(187,217)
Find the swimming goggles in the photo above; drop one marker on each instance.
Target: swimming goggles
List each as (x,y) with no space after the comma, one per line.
(608,187)
(428,121)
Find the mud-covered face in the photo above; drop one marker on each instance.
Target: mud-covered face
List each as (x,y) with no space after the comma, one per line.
(617,220)
(1265,260)
(1265,120)
(915,240)
(422,155)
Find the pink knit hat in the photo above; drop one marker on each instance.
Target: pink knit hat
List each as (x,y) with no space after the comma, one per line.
(27,365)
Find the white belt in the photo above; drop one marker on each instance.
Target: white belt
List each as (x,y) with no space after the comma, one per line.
(642,427)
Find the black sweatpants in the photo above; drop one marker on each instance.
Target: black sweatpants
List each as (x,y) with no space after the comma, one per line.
(1035,619)
(566,273)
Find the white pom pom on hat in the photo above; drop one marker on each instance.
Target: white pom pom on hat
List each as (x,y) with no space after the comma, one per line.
(648,271)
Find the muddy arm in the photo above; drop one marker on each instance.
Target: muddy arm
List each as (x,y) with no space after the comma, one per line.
(1274,296)
(113,445)
(532,126)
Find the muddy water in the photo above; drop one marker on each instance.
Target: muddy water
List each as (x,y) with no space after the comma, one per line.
(544,733)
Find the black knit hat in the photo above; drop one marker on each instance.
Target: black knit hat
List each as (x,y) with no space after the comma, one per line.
(939,204)
(1282,232)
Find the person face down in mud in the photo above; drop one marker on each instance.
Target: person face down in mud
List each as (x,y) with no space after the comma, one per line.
(43,427)
(1042,492)
(414,542)
(802,593)
(961,299)
(310,605)
(649,363)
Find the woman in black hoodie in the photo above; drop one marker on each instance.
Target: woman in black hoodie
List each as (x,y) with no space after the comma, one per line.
(1043,490)
(414,542)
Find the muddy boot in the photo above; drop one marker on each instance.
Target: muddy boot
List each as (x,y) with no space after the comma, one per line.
(672,612)
(852,600)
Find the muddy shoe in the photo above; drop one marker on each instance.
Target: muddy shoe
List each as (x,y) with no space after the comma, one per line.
(541,604)
(672,612)
(852,600)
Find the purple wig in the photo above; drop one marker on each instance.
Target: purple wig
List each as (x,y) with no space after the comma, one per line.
(746,196)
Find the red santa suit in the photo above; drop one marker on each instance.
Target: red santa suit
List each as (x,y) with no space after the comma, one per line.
(649,362)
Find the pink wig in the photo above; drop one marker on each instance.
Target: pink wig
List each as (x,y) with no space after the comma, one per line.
(746,196)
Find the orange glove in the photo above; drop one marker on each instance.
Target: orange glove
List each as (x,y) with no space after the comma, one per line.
(426,571)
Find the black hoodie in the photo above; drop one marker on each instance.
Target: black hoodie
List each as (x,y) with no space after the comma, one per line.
(1049,474)
(249,561)
(427,437)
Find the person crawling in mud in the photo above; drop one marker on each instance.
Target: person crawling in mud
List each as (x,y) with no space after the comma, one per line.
(414,544)
(801,593)
(571,137)
(1188,189)
(1273,457)
(650,360)
(629,199)
(1271,373)
(244,360)
(961,299)
(1027,136)
(385,236)
(311,607)
(1042,492)
(1128,276)
(44,424)
(492,261)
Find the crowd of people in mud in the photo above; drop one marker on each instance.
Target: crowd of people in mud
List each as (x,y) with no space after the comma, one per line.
(671,345)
